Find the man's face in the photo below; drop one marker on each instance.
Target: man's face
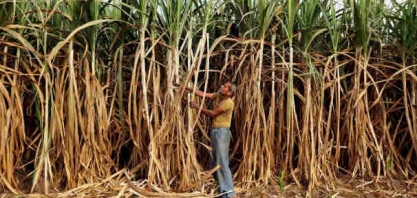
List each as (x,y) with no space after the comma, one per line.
(225,89)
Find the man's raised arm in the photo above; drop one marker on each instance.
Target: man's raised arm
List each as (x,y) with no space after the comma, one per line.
(200,93)
(197,92)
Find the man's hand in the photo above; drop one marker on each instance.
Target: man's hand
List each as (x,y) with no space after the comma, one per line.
(194,105)
(176,85)
(187,89)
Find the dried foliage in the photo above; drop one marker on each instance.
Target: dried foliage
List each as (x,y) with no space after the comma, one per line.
(326,97)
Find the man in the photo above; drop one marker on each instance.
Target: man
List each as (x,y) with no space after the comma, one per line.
(220,132)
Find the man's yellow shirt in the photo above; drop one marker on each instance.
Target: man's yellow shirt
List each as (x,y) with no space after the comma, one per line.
(224,119)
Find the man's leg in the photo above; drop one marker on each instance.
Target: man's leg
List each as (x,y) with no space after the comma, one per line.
(220,142)
(213,162)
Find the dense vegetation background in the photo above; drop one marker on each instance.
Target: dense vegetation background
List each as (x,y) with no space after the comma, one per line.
(325,89)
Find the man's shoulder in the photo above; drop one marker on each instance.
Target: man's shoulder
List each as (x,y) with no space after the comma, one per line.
(229,102)
(216,95)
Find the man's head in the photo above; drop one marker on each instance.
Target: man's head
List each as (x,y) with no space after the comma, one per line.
(228,89)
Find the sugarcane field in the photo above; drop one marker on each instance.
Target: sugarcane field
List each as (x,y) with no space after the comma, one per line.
(208,98)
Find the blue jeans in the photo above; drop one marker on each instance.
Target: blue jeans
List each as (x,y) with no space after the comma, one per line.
(220,139)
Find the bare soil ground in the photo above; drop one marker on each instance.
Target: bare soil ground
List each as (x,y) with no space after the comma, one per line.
(343,188)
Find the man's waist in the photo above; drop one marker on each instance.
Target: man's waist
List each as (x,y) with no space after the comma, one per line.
(221,124)
(219,127)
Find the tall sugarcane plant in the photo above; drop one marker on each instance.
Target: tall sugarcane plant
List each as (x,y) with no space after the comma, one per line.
(289,23)
(310,29)
(258,28)
(334,26)
(405,32)
(325,89)
(360,132)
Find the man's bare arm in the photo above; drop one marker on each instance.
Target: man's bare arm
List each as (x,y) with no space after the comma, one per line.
(200,93)
(212,113)
(197,92)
